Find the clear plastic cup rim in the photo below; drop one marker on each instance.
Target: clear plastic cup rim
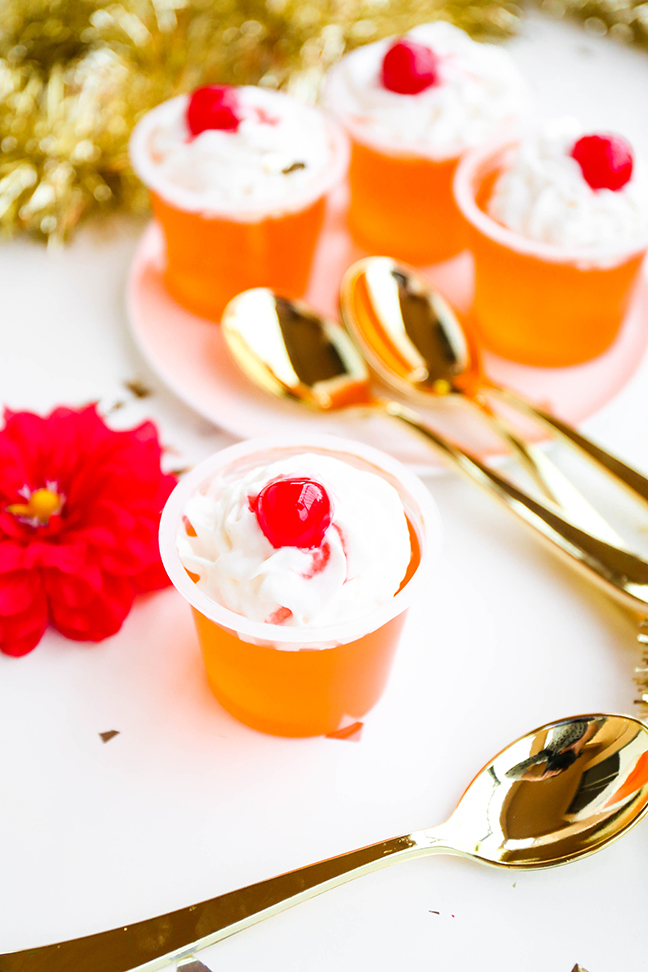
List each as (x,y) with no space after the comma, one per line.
(477,163)
(421,507)
(235,210)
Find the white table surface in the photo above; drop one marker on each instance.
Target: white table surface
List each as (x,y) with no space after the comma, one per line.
(186,803)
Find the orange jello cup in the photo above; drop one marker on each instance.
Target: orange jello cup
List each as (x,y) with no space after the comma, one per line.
(402,204)
(292,681)
(212,255)
(401,201)
(539,303)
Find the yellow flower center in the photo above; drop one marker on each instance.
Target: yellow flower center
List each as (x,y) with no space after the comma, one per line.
(42,504)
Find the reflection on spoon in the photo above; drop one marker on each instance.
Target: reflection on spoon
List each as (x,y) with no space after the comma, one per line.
(508,816)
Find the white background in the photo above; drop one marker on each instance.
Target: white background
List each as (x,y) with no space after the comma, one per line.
(186,803)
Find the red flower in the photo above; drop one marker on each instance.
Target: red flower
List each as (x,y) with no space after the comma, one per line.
(79,511)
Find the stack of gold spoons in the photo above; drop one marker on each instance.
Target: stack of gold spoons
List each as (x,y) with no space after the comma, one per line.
(553,796)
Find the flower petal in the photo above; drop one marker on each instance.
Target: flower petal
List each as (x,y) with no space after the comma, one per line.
(99,618)
(21,632)
(18,590)
(152,578)
(12,556)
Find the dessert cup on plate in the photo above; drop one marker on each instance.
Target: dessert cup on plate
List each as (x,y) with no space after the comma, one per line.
(295,680)
(239,206)
(410,120)
(540,303)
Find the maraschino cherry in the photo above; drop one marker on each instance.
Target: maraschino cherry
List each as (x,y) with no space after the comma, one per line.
(605,161)
(409,68)
(293,512)
(214,106)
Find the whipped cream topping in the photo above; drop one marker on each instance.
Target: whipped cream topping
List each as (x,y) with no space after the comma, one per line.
(543,195)
(283,153)
(479,91)
(358,567)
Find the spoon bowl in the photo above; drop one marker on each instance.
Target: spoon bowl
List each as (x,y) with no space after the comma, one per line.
(561,792)
(407,332)
(557,794)
(292,352)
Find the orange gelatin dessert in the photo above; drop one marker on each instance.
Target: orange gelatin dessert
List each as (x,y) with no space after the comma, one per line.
(239,179)
(402,205)
(322,664)
(551,303)
(412,106)
(211,260)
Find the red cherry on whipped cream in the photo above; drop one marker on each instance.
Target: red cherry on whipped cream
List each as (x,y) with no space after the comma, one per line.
(409,68)
(293,512)
(605,161)
(213,107)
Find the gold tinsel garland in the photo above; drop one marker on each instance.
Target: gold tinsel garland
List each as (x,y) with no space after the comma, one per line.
(75,75)
(623,20)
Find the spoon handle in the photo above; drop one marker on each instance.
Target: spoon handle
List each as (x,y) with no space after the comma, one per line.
(553,483)
(154,943)
(618,571)
(630,478)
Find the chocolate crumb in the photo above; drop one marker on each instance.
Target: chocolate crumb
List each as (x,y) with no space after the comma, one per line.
(107,736)
(115,407)
(137,388)
(295,167)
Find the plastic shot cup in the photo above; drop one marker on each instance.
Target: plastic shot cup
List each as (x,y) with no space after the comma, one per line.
(539,303)
(292,681)
(214,254)
(401,201)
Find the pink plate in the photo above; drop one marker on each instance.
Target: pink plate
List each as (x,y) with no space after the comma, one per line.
(190,356)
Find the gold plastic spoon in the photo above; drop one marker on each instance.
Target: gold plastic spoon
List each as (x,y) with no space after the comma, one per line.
(412,338)
(557,794)
(293,353)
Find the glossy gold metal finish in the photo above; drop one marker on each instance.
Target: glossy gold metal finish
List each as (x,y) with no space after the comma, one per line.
(291,352)
(264,334)
(555,795)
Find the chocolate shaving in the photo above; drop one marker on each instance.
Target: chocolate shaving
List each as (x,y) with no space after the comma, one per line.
(205,428)
(294,167)
(115,406)
(137,388)
(107,736)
